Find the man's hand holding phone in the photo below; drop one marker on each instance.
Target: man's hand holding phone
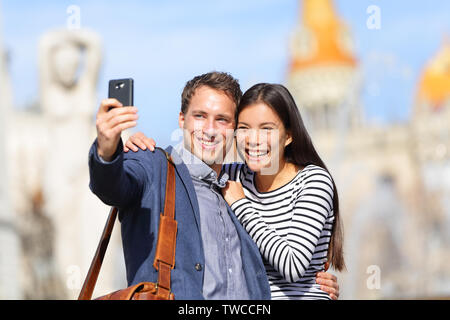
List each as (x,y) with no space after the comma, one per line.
(112,119)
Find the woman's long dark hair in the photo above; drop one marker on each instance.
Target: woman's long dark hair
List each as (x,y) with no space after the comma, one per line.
(300,151)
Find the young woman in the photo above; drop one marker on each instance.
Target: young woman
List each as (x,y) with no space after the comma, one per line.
(283,195)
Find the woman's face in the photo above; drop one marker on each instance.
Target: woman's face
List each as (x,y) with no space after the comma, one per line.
(261,138)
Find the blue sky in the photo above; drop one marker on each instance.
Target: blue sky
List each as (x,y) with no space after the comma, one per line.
(162,44)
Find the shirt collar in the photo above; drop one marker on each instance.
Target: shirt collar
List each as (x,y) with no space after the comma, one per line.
(200,170)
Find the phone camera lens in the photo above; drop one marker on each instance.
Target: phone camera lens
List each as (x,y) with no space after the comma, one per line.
(120,85)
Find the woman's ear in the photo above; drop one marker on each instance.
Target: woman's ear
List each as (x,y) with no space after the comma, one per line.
(288,139)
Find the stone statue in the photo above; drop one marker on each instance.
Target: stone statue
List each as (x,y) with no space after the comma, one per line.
(69,62)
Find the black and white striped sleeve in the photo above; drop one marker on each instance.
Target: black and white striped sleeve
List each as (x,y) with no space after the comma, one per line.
(291,255)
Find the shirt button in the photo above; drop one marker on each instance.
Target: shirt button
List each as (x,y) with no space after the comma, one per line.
(198,267)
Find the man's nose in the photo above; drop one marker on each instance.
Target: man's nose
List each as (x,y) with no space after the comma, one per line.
(210,128)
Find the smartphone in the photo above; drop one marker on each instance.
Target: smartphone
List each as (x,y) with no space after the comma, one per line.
(122,90)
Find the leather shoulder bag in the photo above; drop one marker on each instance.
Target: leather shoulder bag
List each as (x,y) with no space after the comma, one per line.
(164,260)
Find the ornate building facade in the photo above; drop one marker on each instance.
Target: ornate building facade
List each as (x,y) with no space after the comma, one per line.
(393,181)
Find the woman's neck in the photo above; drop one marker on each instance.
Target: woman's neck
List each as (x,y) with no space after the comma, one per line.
(270,182)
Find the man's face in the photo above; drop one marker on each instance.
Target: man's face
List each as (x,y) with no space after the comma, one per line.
(208,125)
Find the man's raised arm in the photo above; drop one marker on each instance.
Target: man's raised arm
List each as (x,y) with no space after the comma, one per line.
(113,183)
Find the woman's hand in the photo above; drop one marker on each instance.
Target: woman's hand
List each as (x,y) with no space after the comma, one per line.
(328,283)
(233,192)
(139,140)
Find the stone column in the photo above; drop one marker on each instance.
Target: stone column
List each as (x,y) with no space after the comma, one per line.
(9,253)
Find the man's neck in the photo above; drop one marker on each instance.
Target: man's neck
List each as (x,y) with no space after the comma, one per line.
(216,167)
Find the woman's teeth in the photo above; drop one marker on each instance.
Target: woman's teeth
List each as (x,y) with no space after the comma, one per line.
(257,154)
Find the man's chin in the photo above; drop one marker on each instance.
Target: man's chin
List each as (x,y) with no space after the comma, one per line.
(210,159)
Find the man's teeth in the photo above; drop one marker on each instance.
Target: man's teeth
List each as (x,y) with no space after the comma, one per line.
(208,143)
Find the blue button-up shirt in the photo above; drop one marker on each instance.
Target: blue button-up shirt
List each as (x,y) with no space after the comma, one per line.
(224,277)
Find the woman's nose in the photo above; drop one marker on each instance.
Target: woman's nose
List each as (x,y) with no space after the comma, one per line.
(253,138)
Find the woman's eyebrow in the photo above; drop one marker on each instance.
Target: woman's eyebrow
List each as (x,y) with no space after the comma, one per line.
(270,123)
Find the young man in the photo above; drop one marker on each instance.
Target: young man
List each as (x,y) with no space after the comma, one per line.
(215,257)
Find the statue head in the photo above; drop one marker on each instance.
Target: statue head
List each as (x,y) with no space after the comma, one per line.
(66,61)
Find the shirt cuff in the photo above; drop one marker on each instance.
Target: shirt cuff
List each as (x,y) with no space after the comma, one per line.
(115,155)
(104,161)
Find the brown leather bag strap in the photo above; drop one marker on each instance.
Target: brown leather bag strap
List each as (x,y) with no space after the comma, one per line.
(166,240)
(96,264)
(164,260)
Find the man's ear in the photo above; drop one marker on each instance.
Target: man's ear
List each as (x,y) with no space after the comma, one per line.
(181,120)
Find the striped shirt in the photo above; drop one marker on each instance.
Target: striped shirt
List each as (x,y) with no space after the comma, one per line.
(291,226)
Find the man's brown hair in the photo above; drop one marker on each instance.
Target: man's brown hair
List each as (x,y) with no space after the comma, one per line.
(220,81)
